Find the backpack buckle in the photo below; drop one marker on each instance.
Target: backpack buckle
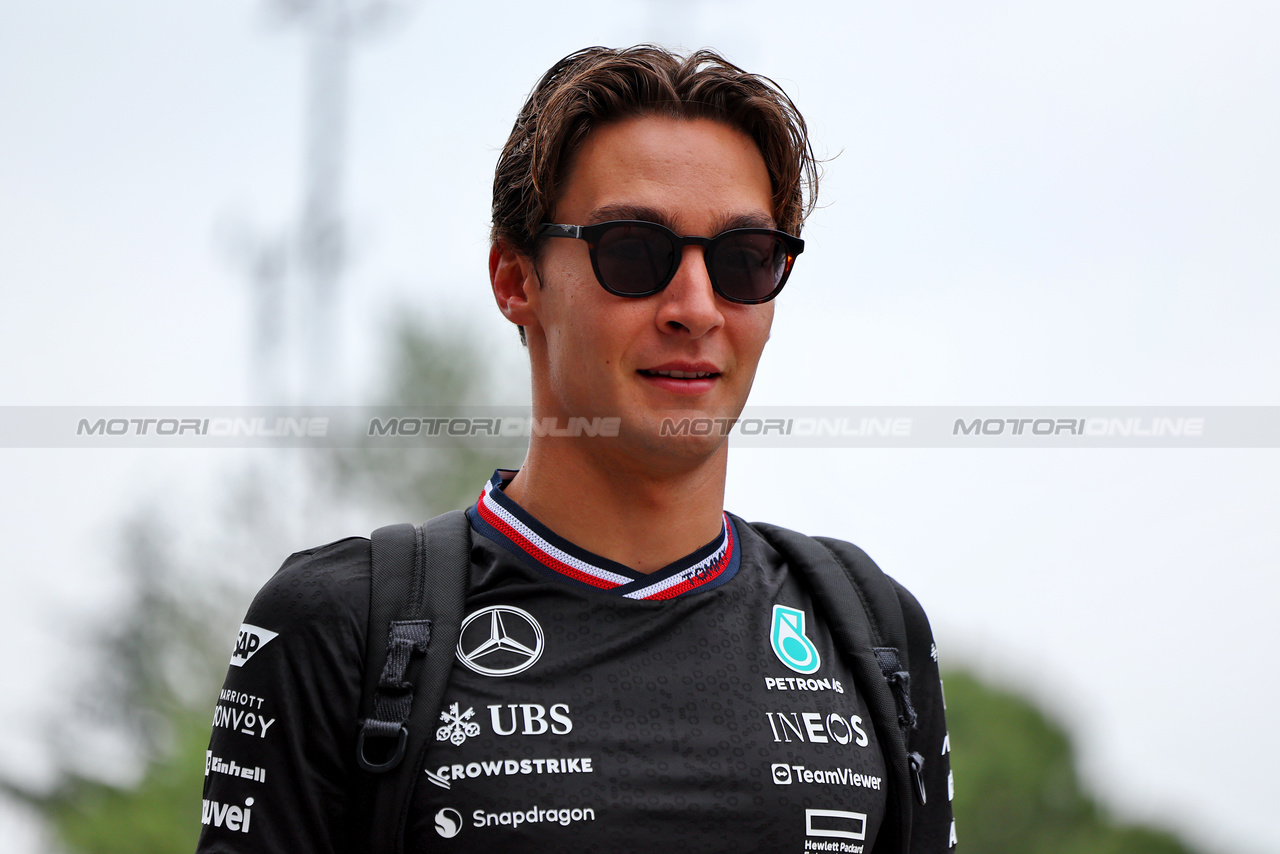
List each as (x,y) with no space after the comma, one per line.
(370,730)
(916,761)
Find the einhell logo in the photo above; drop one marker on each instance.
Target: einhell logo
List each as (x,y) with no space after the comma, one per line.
(250,640)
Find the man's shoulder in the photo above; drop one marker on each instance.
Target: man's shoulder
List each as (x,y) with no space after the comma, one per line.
(340,557)
(775,538)
(317,586)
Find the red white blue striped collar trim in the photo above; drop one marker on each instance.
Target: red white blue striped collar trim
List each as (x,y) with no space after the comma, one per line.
(501,520)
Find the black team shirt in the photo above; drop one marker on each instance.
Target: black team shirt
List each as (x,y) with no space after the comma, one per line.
(700,708)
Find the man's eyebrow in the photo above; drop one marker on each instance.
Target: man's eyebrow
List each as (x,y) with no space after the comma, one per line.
(751,220)
(608,213)
(724,222)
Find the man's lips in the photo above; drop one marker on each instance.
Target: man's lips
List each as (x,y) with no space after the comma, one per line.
(680,375)
(682,378)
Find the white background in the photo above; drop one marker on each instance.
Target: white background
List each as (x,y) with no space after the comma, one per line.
(1076,205)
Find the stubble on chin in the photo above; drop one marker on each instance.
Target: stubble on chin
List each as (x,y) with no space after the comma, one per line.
(676,439)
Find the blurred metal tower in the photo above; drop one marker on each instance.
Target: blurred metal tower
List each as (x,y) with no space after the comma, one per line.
(322,230)
(298,340)
(296,273)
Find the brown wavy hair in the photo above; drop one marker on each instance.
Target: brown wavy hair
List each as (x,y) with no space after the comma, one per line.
(598,85)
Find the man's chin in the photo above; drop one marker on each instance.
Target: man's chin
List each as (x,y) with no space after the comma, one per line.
(681,436)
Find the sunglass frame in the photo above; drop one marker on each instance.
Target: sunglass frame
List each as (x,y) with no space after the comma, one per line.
(591,235)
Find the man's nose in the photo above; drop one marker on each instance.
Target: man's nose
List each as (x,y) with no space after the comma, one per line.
(689,303)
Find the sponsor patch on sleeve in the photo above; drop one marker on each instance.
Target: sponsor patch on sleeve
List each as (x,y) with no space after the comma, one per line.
(248,642)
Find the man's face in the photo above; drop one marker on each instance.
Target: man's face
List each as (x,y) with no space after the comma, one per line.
(595,354)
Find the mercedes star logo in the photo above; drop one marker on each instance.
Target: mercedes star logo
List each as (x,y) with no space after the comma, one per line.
(506,643)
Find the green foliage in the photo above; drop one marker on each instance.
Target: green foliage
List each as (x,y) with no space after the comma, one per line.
(164,655)
(160,816)
(432,366)
(1016,785)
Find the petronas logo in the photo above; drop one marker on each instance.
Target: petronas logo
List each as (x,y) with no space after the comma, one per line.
(786,636)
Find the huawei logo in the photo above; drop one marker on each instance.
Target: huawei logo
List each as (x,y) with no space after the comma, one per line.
(500,640)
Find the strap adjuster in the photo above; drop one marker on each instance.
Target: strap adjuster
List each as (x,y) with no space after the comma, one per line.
(402,740)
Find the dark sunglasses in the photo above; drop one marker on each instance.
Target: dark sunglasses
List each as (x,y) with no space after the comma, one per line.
(634,258)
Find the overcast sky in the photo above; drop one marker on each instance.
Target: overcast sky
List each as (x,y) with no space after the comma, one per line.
(1065,206)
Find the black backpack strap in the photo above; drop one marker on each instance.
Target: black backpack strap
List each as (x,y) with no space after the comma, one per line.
(860,606)
(417,593)
(889,631)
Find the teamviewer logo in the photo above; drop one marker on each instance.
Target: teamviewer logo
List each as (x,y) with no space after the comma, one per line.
(781,773)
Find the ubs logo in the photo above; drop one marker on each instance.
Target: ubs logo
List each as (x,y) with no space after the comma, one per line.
(500,640)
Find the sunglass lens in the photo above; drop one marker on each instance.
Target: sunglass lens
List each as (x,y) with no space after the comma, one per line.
(633,259)
(748,267)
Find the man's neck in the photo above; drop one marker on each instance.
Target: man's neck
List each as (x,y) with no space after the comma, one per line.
(627,513)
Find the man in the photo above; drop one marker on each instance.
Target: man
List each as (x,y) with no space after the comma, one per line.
(637,669)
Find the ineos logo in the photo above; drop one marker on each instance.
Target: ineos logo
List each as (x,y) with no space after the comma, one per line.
(508,642)
(813,728)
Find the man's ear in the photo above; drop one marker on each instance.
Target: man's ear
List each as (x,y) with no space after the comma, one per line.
(514,282)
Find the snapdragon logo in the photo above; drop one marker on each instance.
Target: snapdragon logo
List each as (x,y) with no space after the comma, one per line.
(789,643)
(533,815)
(448,822)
